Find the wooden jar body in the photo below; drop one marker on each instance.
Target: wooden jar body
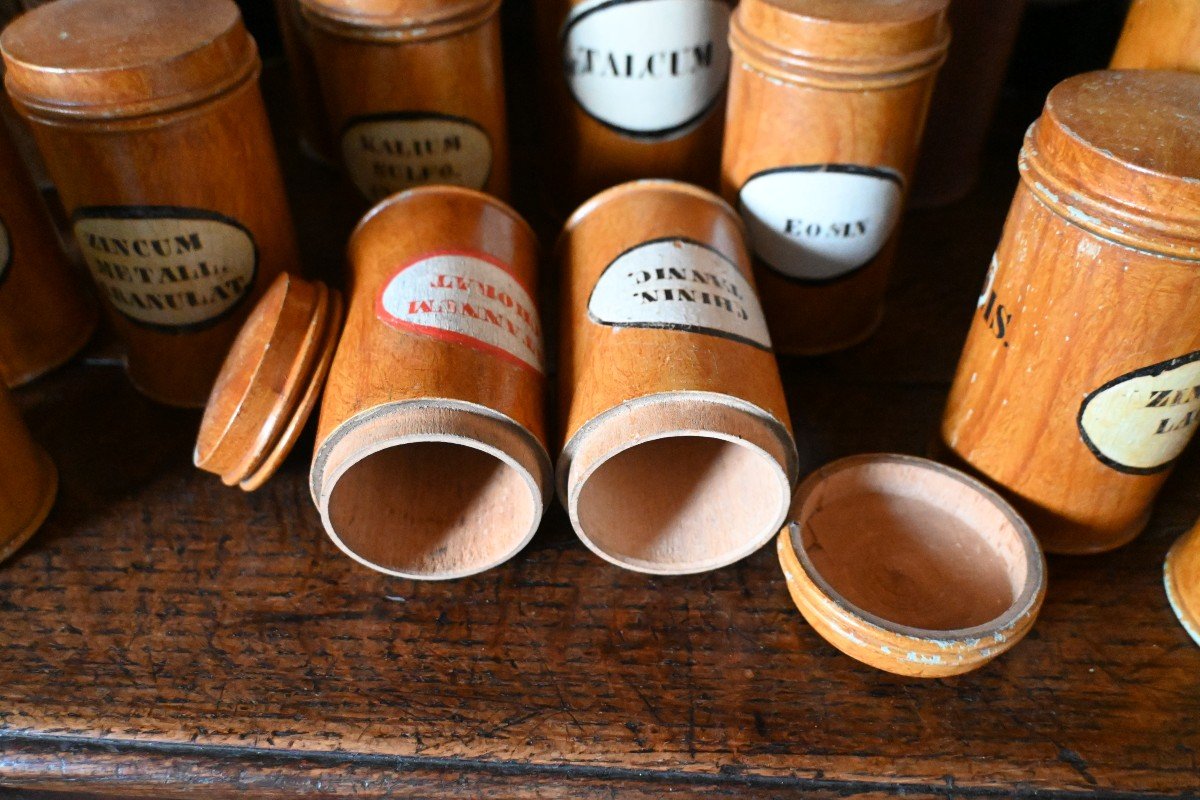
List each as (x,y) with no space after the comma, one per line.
(1181,576)
(1160,34)
(451,85)
(28,480)
(315,136)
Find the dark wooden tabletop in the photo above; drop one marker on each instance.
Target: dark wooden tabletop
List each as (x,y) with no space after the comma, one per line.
(166,636)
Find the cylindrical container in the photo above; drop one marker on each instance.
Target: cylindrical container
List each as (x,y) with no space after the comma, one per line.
(46,313)
(826,106)
(28,480)
(1181,578)
(150,120)
(635,89)
(678,453)
(414,91)
(1160,34)
(316,140)
(1079,384)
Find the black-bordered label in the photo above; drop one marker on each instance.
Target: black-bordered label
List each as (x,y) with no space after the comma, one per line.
(168,268)
(1141,422)
(647,68)
(679,284)
(471,299)
(819,223)
(387,153)
(5,251)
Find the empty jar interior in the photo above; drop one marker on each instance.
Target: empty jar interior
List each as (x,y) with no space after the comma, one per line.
(914,545)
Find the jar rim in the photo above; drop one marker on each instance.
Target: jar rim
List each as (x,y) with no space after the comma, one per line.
(398,20)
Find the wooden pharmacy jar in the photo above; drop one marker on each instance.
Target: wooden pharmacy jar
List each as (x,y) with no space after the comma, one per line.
(678,453)
(46,312)
(1181,578)
(827,102)
(1160,34)
(150,121)
(28,480)
(414,90)
(1078,384)
(316,139)
(635,89)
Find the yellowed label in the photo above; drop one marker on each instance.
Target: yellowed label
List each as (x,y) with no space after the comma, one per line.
(172,269)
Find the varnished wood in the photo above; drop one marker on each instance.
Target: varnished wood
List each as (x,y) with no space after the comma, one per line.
(315,134)
(28,480)
(1160,34)
(1181,578)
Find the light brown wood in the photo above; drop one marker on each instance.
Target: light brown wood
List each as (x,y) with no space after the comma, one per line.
(633,89)
(28,480)
(1076,391)
(827,102)
(431,459)
(910,566)
(414,92)
(1160,34)
(677,453)
(1181,579)
(316,138)
(150,120)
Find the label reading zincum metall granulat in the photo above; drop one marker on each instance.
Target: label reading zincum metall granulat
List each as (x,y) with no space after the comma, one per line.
(466,298)
(172,269)
(1140,422)
(388,153)
(647,68)
(818,223)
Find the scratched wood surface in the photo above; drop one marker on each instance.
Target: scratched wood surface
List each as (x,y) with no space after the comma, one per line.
(164,634)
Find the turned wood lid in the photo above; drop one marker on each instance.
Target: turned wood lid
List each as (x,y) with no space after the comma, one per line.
(270,382)
(122,58)
(403,20)
(876,43)
(1118,153)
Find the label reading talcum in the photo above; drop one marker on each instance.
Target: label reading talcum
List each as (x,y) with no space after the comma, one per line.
(172,269)
(1140,422)
(5,251)
(681,285)
(821,222)
(389,153)
(466,298)
(647,68)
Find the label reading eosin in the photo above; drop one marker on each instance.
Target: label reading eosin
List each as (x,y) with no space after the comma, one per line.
(820,222)
(5,251)
(681,285)
(172,269)
(466,298)
(388,153)
(1140,422)
(647,68)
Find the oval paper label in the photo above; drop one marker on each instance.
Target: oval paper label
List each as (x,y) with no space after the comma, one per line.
(466,298)
(647,68)
(1140,422)
(172,269)
(679,284)
(388,153)
(821,222)
(5,251)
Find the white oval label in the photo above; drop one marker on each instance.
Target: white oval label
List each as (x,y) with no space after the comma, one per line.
(388,153)
(679,284)
(1140,422)
(822,222)
(647,68)
(466,298)
(171,269)
(5,251)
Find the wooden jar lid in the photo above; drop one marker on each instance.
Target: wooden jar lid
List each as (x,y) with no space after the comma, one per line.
(911,566)
(122,58)
(269,383)
(1181,579)
(873,42)
(1118,153)
(402,20)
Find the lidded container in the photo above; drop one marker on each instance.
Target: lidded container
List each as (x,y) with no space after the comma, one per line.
(430,459)
(28,480)
(1181,578)
(1079,384)
(827,102)
(316,140)
(414,90)
(150,121)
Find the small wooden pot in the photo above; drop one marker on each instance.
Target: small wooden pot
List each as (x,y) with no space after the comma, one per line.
(150,120)
(28,480)
(414,91)
(910,566)
(1181,578)
(678,453)
(46,313)
(316,139)
(1160,34)
(636,89)
(1076,389)
(827,102)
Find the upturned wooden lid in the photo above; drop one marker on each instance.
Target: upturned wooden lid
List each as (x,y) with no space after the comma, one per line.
(120,58)
(270,382)
(402,20)
(879,42)
(1118,153)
